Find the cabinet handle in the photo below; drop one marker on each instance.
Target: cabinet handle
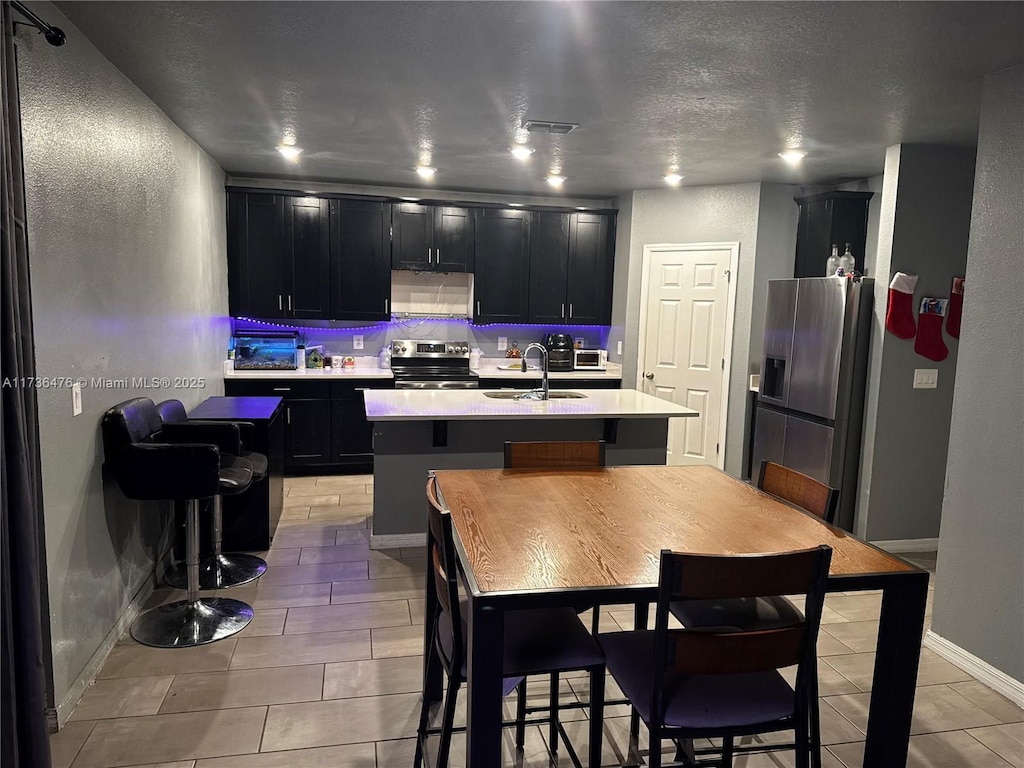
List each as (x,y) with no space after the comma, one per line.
(478,306)
(570,311)
(430,257)
(287,415)
(282,389)
(280,302)
(437,254)
(562,313)
(386,302)
(290,304)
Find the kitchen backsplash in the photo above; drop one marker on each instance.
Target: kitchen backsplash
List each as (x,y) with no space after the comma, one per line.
(337,337)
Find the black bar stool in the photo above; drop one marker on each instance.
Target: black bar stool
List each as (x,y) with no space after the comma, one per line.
(220,569)
(152,467)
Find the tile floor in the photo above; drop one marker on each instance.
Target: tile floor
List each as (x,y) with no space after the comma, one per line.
(329,671)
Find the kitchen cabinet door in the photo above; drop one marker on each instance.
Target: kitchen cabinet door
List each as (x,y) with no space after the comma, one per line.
(352,434)
(412,233)
(590,268)
(452,240)
(307,432)
(360,260)
(501,279)
(549,266)
(827,219)
(307,252)
(259,279)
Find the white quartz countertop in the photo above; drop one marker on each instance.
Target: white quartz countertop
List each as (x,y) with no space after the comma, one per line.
(472,405)
(499,369)
(315,374)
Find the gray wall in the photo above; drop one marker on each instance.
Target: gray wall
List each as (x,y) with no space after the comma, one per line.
(979,591)
(127,246)
(725,213)
(923,229)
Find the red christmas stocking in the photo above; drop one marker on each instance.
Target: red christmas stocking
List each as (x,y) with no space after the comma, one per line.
(899,317)
(956,308)
(929,341)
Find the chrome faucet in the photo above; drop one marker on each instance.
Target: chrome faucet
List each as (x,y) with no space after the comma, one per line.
(542,393)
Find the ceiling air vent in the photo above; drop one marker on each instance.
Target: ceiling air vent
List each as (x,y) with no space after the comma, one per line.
(546,126)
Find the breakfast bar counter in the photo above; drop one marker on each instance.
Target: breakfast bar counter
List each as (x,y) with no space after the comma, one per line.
(415,431)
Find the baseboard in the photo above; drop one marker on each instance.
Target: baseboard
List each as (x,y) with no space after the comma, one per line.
(396,540)
(899,546)
(58,717)
(995,679)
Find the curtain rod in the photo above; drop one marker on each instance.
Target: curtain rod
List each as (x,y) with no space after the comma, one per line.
(53,35)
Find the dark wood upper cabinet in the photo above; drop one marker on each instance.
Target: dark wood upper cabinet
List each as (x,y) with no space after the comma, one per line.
(590,269)
(258,276)
(432,238)
(306,247)
(360,261)
(501,275)
(549,267)
(827,219)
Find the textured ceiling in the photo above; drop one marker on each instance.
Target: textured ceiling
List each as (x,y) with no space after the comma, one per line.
(717,88)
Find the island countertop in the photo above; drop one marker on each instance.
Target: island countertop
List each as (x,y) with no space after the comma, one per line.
(472,405)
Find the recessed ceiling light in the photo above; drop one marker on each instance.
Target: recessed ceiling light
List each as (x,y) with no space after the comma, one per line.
(426,171)
(673,179)
(581,207)
(522,152)
(516,205)
(289,153)
(556,181)
(793,156)
(411,199)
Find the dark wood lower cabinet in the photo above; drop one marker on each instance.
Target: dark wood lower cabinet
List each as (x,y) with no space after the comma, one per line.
(325,426)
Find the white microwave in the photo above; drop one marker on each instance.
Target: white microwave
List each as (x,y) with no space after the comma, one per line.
(590,359)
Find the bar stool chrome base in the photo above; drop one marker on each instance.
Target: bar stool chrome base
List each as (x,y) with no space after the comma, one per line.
(220,571)
(185,624)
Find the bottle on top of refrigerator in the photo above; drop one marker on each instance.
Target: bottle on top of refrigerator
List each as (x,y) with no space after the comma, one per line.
(834,262)
(847,262)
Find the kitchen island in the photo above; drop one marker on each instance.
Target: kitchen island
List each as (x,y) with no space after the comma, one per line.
(415,431)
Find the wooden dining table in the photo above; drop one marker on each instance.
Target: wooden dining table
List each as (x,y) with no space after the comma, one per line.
(537,538)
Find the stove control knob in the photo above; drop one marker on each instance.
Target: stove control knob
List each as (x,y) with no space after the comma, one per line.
(451,349)
(401,349)
(464,349)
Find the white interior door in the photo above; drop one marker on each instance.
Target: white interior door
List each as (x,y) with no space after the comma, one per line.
(687,322)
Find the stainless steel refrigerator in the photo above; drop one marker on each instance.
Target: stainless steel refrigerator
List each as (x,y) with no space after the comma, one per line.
(814,362)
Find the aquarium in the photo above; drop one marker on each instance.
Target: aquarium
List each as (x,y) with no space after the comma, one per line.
(265,351)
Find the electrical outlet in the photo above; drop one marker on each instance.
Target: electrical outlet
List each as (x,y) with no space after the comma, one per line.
(76,399)
(357,342)
(502,343)
(926,378)
(618,348)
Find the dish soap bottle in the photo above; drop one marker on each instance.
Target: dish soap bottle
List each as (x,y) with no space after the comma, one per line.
(834,262)
(847,262)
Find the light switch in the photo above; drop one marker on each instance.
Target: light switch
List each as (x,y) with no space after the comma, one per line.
(926,378)
(357,342)
(76,399)
(502,343)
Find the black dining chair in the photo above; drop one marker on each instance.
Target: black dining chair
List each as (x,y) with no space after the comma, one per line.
(767,612)
(723,682)
(536,642)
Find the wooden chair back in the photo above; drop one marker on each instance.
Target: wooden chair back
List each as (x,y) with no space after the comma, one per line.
(799,489)
(717,651)
(443,573)
(554,454)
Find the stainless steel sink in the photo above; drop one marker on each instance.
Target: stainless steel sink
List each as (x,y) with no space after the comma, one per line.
(509,394)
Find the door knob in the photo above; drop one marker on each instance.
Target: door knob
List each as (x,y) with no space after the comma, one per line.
(649,375)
